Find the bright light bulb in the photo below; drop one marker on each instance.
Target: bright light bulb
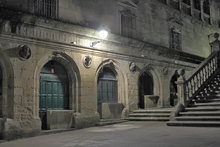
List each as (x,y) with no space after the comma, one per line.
(103,34)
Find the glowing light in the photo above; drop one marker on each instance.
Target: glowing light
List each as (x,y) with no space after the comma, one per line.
(103,34)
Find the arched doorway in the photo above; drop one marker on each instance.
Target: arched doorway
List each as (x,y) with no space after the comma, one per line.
(1,91)
(107,88)
(173,90)
(53,90)
(146,87)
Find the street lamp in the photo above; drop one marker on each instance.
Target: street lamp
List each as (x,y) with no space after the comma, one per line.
(103,34)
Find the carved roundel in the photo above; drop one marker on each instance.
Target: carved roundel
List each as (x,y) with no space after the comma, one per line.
(24,52)
(87,61)
(132,67)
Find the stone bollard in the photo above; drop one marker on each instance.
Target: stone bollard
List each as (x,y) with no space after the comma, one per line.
(215,45)
(180,87)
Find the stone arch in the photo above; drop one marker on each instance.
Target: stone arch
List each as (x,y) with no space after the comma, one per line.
(122,81)
(73,77)
(7,96)
(156,83)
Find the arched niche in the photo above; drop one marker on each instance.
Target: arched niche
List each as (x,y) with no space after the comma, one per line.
(73,76)
(111,69)
(54,90)
(148,88)
(7,87)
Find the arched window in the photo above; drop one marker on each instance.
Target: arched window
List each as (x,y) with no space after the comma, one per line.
(107,86)
(53,89)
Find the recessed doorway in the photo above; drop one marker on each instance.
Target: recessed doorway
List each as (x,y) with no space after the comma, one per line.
(53,90)
(146,87)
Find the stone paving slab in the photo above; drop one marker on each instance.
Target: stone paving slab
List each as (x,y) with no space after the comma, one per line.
(128,134)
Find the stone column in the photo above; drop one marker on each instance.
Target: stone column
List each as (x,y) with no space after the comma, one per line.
(191,7)
(180,5)
(201,10)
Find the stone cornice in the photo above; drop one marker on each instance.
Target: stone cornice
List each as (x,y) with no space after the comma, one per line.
(57,46)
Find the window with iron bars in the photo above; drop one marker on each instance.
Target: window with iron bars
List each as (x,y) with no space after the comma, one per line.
(186,2)
(175,39)
(196,4)
(47,8)
(128,24)
(206,7)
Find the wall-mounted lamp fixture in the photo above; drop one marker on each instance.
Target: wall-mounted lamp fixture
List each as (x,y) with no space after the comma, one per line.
(103,34)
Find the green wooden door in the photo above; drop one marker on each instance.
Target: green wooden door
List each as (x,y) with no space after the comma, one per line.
(107,88)
(53,90)
(52,94)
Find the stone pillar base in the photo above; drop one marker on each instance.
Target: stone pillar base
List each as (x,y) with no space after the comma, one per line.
(12,129)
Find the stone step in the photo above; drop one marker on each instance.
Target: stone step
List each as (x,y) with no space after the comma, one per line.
(148,118)
(215,93)
(198,118)
(104,122)
(207,113)
(194,123)
(205,100)
(206,104)
(208,97)
(213,100)
(153,110)
(203,108)
(149,115)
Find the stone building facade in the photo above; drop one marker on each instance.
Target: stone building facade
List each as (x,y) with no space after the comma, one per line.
(51,77)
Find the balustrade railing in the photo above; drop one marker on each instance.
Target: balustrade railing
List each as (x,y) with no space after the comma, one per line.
(190,86)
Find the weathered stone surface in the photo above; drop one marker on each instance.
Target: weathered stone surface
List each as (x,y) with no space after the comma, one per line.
(68,44)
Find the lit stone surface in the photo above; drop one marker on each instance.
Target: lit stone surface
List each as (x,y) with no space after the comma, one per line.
(140,134)
(67,41)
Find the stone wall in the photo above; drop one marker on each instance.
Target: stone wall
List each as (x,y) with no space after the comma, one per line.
(154,21)
(69,44)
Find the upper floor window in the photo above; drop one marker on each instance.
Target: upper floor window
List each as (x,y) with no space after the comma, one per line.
(47,8)
(128,24)
(206,7)
(175,4)
(196,4)
(186,2)
(175,39)
(163,1)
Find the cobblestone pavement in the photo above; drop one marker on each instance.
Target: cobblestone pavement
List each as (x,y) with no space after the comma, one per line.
(128,134)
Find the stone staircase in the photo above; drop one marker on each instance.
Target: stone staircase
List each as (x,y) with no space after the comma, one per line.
(204,109)
(162,114)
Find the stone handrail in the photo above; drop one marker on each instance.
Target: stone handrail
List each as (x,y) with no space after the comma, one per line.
(189,87)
